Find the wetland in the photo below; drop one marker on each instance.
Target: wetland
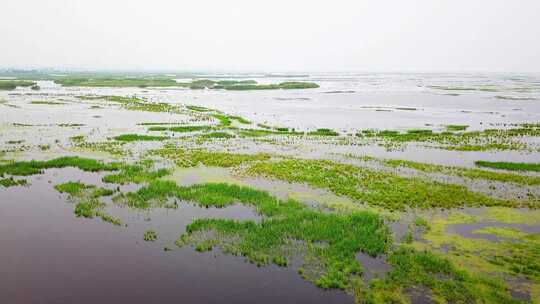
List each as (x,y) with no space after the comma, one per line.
(402,188)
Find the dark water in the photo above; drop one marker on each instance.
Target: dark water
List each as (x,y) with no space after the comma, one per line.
(50,256)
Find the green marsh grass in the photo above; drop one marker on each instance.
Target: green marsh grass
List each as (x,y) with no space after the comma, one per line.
(70,81)
(13,84)
(488,139)
(445,281)
(192,158)
(217,134)
(137,173)
(471,173)
(11,182)
(331,239)
(457,127)
(45,102)
(323,132)
(150,235)
(139,137)
(198,108)
(81,189)
(23,168)
(373,187)
(87,201)
(535,167)
(180,128)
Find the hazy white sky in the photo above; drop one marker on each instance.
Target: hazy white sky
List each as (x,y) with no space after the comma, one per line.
(277,35)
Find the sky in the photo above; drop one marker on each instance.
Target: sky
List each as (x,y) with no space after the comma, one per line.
(277,35)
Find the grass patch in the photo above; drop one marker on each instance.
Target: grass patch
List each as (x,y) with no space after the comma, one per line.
(13,84)
(373,187)
(199,109)
(150,235)
(23,168)
(139,137)
(509,166)
(192,158)
(331,239)
(217,134)
(137,173)
(87,202)
(289,85)
(71,81)
(45,102)
(246,85)
(456,127)
(489,139)
(79,189)
(323,132)
(11,182)
(444,281)
(180,128)
(464,172)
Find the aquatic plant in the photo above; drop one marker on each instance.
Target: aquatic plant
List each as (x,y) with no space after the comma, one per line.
(198,108)
(284,85)
(471,173)
(488,139)
(70,81)
(87,208)
(150,235)
(191,158)
(443,281)
(323,132)
(13,84)
(456,127)
(331,239)
(87,203)
(37,167)
(217,134)
(10,182)
(139,137)
(137,173)
(46,102)
(81,189)
(509,166)
(373,187)
(180,128)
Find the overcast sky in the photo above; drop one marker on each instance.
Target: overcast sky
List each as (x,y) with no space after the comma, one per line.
(276,35)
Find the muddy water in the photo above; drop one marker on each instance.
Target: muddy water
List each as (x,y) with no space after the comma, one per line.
(50,256)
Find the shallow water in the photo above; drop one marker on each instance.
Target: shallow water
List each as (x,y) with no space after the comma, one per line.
(50,256)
